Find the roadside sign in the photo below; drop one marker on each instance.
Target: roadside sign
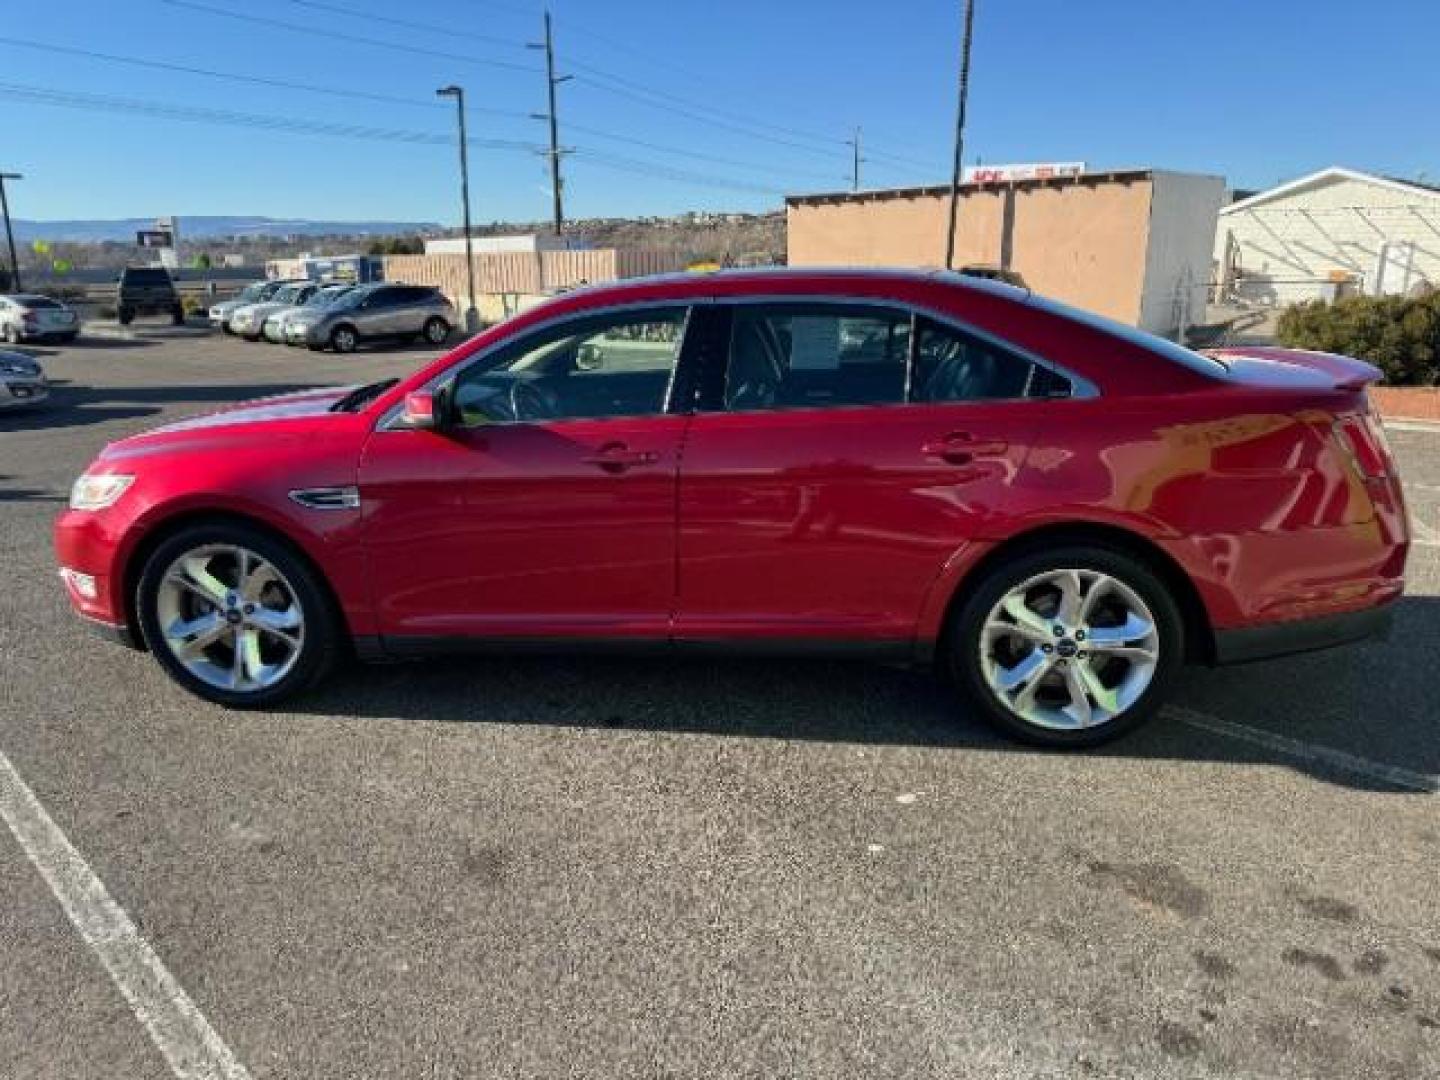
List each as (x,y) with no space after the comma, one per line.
(154,238)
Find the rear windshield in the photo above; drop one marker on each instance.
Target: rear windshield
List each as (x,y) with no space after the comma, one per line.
(147,275)
(1191,359)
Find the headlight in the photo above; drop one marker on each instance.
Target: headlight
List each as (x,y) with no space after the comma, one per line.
(99,491)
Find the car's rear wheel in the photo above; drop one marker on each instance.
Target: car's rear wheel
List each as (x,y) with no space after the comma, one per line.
(343,339)
(235,616)
(1070,646)
(436,331)
(125,316)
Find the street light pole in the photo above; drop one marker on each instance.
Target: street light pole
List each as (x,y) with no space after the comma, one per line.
(959,132)
(9,233)
(472,319)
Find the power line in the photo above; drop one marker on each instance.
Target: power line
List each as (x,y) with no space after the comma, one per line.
(755,166)
(336,35)
(625,87)
(107,103)
(232,76)
(409,24)
(38,95)
(652,169)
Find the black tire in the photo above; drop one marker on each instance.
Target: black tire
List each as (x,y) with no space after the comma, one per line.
(225,329)
(66,339)
(323,634)
(125,316)
(436,330)
(177,317)
(344,339)
(963,640)
(316,348)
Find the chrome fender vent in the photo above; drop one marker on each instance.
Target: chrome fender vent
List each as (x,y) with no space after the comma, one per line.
(328,498)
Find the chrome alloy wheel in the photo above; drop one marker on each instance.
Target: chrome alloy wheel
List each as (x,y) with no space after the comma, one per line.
(230,617)
(1069,649)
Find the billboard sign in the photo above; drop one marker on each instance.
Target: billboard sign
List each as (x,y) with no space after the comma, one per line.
(1009,174)
(154,238)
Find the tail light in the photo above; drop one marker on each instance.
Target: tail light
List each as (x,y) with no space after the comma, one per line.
(1364,441)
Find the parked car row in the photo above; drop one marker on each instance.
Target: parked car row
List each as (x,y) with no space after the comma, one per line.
(336,316)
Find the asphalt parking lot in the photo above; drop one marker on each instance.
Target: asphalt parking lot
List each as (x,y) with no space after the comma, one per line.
(615,867)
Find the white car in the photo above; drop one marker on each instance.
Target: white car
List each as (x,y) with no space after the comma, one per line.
(26,317)
(254,293)
(22,382)
(249,321)
(275,323)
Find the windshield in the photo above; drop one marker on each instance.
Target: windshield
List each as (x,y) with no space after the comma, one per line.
(288,294)
(36,303)
(350,299)
(147,275)
(326,297)
(254,291)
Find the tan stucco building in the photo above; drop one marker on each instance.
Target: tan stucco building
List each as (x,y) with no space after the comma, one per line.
(1134,245)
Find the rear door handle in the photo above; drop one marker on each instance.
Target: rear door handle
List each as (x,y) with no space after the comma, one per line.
(617,457)
(960,448)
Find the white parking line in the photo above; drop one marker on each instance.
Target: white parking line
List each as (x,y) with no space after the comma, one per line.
(1308,752)
(181,1033)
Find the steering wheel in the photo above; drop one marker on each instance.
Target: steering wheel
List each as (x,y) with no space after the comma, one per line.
(529,402)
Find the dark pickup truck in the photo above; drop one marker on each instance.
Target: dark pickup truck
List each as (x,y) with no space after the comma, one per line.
(147,290)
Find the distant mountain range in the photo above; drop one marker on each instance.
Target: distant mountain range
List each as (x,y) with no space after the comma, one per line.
(195,228)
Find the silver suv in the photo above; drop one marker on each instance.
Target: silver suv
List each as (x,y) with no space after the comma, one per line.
(371,313)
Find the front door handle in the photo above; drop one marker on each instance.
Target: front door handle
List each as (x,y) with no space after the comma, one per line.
(617,457)
(961,448)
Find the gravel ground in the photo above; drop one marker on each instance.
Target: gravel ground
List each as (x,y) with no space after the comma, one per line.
(607,867)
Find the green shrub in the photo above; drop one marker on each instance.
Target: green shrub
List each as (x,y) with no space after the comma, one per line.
(1398,334)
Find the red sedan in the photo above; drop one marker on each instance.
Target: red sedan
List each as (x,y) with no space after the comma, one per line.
(1054,510)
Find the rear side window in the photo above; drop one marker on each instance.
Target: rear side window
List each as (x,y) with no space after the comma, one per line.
(955,366)
(797,356)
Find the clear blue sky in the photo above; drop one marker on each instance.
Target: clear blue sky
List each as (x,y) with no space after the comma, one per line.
(1254,90)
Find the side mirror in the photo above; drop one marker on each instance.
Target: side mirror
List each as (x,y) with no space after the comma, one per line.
(423,411)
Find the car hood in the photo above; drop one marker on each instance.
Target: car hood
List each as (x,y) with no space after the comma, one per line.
(248,421)
(230,305)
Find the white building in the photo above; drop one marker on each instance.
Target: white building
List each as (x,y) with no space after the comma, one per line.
(1334,230)
(528,243)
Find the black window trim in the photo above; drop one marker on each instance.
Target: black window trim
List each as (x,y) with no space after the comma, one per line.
(388,422)
(1080,387)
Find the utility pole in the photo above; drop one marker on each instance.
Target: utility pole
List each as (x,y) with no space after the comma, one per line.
(959,132)
(552,117)
(9,233)
(472,316)
(854,145)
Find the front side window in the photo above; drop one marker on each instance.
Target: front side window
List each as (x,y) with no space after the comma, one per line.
(797,356)
(603,366)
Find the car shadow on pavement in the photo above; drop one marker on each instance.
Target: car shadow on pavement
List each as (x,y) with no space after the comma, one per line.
(1363,702)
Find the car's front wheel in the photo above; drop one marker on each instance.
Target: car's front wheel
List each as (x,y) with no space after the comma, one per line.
(236,616)
(1070,646)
